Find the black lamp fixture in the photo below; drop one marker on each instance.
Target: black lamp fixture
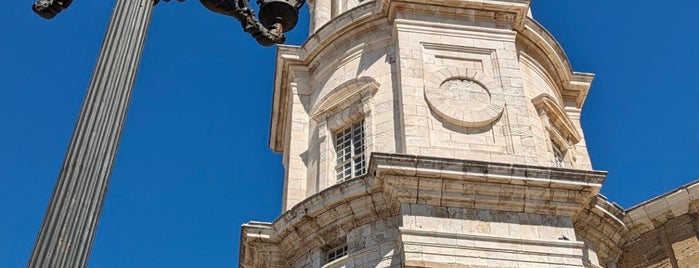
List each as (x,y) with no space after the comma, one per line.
(276,16)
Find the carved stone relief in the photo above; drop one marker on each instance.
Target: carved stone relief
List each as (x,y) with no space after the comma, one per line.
(463,97)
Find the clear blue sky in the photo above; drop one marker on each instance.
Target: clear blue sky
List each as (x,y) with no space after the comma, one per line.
(194,162)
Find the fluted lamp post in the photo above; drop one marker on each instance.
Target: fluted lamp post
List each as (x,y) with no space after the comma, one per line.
(68,229)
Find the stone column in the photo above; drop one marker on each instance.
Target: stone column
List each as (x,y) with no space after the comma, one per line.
(68,230)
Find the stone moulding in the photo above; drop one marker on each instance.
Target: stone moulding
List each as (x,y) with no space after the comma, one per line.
(575,85)
(558,118)
(344,95)
(512,12)
(394,180)
(485,185)
(458,112)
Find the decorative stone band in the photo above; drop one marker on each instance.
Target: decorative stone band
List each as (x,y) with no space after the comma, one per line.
(486,247)
(395,180)
(464,97)
(484,185)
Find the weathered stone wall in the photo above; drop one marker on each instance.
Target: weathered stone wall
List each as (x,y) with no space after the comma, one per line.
(465,82)
(437,124)
(370,245)
(674,244)
(337,98)
(465,104)
(487,238)
(538,81)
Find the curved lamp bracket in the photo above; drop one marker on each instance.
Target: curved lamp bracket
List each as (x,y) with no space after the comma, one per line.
(276,16)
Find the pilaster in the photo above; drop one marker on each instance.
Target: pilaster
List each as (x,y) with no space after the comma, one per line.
(296,153)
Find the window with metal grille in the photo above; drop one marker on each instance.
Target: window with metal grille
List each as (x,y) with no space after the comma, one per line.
(558,157)
(337,253)
(349,147)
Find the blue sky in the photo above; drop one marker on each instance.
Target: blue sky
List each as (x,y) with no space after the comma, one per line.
(194,162)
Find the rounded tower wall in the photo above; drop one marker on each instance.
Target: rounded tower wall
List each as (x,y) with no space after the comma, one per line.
(445,133)
(456,83)
(446,85)
(324,11)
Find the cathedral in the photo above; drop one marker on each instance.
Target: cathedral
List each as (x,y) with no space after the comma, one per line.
(446,133)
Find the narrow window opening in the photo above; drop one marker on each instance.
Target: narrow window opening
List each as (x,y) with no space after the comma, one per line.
(349,148)
(558,157)
(337,253)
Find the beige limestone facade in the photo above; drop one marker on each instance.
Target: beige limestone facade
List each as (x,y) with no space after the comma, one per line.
(446,133)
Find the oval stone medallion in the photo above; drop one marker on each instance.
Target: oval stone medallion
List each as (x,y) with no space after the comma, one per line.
(464,97)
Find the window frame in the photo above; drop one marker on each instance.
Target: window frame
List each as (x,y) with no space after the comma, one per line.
(348,102)
(342,250)
(348,157)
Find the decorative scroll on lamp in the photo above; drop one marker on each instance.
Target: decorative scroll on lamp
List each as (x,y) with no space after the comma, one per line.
(276,16)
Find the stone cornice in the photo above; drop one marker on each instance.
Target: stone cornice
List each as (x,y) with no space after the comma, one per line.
(395,179)
(421,166)
(510,11)
(575,85)
(484,185)
(659,210)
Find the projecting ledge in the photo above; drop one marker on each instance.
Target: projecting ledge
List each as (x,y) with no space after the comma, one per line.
(394,181)
(449,168)
(484,185)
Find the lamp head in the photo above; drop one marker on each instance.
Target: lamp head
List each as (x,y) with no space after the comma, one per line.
(48,9)
(281,12)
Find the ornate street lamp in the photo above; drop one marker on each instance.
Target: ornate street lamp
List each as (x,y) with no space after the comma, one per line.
(68,229)
(276,16)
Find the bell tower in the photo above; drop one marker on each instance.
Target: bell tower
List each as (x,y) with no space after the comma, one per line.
(425,133)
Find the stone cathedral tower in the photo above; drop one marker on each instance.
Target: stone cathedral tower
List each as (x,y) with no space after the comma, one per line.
(446,133)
